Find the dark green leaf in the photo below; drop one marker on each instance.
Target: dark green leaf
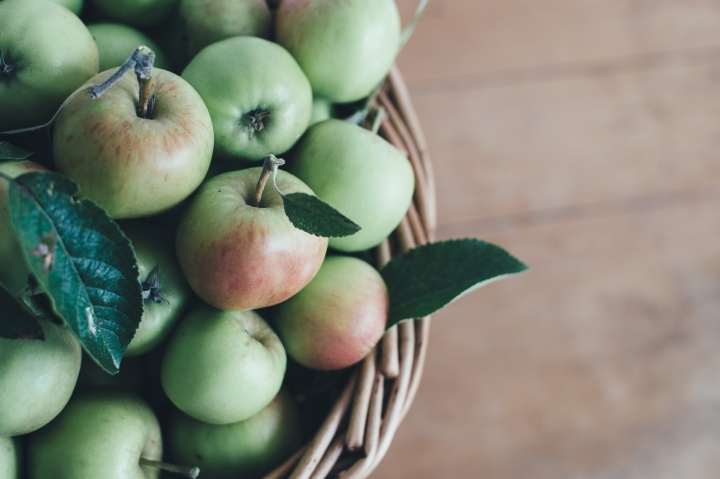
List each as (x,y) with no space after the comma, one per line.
(82,261)
(9,151)
(16,321)
(423,280)
(316,217)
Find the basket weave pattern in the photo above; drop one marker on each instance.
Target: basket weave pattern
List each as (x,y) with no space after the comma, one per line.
(359,428)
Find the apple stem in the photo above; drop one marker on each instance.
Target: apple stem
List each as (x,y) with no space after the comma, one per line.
(187,471)
(256,120)
(141,61)
(270,166)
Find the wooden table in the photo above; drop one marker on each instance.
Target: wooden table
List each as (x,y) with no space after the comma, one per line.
(584,137)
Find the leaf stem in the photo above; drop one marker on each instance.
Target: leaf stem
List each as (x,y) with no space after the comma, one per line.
(187,471)
(270,166)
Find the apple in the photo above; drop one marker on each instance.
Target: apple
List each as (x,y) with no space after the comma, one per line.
(46,52)
(337,319)
(14,269)
(133,166)
(37,378)
(116,42)
(244,449)
(322,109)
(136,13)
(222,367)
(207,22)
(358,173)
(345,48)
(10,458)
(166,293)
(237,255)
(100,434)
(258,97)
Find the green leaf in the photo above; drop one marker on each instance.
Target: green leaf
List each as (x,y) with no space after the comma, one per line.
(423,280)
(16,321)
(9,151)
(312,215)
(82,261)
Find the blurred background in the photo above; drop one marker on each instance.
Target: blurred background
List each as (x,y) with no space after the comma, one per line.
(584,137)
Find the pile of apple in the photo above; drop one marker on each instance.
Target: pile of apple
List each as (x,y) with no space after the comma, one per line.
(233,292)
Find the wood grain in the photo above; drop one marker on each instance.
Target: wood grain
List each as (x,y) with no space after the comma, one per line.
(584,137)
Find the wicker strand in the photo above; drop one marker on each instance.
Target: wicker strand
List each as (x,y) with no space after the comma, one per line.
(404,104)
(421,341)
(330,458)
(319,444)
(355,436)
(360,468)
(379,392)
(286,467)
(390,362)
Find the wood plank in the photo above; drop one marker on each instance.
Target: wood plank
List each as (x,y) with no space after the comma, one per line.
(457,38)
(573,142)
(601,362)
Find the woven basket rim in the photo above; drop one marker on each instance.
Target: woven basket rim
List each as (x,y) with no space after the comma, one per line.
(358,430)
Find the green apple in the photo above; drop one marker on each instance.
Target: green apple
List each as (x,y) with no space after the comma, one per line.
(258,97)
(322,110)
(345,48)
(14,269)
(116,42)
(359,174)
(37,378)
(209,21)
(337,319)
(100,434)
(10,458)
(136,13)
(222,367)
(46,52)
(241,450)
(166,293)
(74,6)
(237,255)
(133,166)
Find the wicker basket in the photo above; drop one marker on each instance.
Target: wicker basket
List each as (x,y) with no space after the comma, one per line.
(361,424)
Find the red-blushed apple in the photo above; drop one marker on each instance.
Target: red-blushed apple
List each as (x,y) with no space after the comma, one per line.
(241,450)
(338,318)
(14,270)
(133,166)
(237,255)
(222,367)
